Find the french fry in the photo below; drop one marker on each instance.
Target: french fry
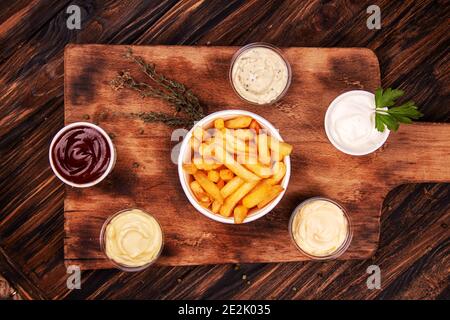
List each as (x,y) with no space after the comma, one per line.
(215,206)
(213,175)
(252,156)
(276,155)
(244,134)
(274,192)
(205,163)
(209,186)
(280,170)
(257,195)
(200,134)
(240,213)
(238,122)
(254,125)
(231,186)
(263,148)
(189,168)
(198,191)
(212,166)
(226,174)
(236,146)
(198,162)
(220,184)
(206,150)
(233,144)
(229,162)
(219,124)
(195,143)
(206,204)
(227,208)
(280,147)
(260,170)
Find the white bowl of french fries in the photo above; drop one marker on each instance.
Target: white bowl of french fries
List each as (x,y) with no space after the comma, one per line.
(234,166)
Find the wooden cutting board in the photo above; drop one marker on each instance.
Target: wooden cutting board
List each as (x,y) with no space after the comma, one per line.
(145,176)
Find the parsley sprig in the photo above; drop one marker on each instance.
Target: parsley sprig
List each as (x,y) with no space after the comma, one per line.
(387,115)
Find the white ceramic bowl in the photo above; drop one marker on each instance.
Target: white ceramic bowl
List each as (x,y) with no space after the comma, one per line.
(111,147)
(184,157)
(327,124)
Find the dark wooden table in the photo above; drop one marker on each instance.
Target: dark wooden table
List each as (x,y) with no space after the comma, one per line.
(413,49)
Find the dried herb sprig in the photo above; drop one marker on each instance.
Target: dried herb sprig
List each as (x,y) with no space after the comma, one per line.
(182,99)
(171,121)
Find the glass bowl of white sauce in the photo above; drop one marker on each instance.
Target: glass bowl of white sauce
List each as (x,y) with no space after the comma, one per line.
(350,123)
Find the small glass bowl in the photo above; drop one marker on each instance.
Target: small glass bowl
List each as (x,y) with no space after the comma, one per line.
(111,145)
(344,245)
(260,45)
(120,266)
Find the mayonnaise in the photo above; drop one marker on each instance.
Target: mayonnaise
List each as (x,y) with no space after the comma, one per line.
(133,238)
(350,123)
(260,75)
(319,227)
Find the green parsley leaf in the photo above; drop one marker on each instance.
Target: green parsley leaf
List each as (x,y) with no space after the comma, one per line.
(389,116)
(387,98)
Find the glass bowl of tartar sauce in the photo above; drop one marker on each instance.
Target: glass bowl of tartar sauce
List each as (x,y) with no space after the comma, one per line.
(131,239)
(320,228)
(260,74)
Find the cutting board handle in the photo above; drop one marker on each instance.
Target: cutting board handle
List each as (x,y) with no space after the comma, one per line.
(419,152)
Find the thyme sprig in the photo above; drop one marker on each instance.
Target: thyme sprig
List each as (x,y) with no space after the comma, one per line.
(171,121)
(175,93)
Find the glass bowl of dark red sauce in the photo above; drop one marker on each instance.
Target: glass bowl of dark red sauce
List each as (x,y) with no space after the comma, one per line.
(82,154)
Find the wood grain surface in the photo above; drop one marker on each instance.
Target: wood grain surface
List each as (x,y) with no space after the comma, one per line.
(145,177)
(412,47)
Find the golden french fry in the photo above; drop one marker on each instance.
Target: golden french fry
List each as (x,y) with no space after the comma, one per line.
(279,147)
(198,191)
(240,213)
(213,175)
(238,122)
(200,134)
(209,186)
(212,166)
(280,170)
(195,144)
(219,124)
(229,162)
(260,170)
(257,195)
(205,163)
(274,192)
(215,206)
(196,187)
(244,134)
(226,174)
(252,156)
(233,144)
(276,156)
(254,125)
(220,184)
(235,197)
(263,148)
(206,204)
(206,150)
(231,186)
(199,162)
(189,168)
